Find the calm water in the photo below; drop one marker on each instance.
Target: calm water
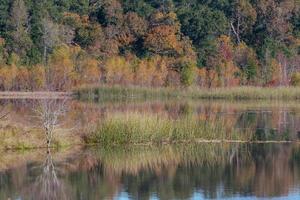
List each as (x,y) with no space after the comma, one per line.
(195,171)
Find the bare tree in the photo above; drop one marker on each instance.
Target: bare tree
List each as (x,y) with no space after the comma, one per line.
(49,113)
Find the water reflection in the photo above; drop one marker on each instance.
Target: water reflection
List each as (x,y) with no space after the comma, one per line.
(265,120)
(145,172)
(47,185)
(165,172)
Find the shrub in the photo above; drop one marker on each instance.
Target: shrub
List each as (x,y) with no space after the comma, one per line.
(295,79)
(187,73)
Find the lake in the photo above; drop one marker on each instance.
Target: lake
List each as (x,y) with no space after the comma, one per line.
(220,170)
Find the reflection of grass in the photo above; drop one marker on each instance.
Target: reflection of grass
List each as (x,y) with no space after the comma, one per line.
(135,158)
(13,159)
(118,92)
(17,138)
(12,137)
(134,128)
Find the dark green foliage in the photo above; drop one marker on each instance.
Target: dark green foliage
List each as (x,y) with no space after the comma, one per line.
(141,7)
(200,22)
(251,70)
(86,36)
(37,12)
(79,6)
(4,15)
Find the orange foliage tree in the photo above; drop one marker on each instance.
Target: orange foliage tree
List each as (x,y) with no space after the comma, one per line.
(152,72)
(164,36)
(227,71)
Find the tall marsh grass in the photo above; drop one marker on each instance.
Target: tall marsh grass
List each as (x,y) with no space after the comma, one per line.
(117,93)
(236,93)
(136,128)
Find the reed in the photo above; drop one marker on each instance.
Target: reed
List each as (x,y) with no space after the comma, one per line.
(137,128)
(114,93)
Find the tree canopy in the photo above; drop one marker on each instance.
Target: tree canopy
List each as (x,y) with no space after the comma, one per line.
(226,42)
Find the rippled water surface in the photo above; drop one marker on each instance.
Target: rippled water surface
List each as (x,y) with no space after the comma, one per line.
(181,171)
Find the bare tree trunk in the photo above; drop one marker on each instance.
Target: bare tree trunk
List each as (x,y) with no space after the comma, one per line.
(236,30)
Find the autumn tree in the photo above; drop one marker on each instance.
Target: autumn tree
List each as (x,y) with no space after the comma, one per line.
(164,37)
(152,72)
(119,71)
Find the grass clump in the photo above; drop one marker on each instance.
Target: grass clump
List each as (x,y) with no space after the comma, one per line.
(134,128)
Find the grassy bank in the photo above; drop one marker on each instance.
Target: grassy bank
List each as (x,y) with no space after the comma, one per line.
(111,93)
(135,128)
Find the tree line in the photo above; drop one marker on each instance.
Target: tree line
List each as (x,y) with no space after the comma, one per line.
(60,44)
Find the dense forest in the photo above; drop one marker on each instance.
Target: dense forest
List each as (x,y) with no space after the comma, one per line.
(62,44)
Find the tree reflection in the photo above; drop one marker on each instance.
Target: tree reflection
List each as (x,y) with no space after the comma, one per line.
(47,185)
(168,172)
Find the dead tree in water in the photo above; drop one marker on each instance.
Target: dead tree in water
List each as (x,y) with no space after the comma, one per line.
(49,113)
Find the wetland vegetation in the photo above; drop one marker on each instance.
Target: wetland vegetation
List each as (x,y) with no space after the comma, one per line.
(118,93)
(150,149)
(174,99)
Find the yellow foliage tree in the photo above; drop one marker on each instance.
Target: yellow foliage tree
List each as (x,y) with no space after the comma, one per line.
(38,77)
(118,71)
(22,81)
(152,72)
(89,71)
(7,77)
(60,69)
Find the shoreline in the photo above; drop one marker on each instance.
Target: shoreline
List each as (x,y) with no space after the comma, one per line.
(35,95)
(196,141)
(117,92)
